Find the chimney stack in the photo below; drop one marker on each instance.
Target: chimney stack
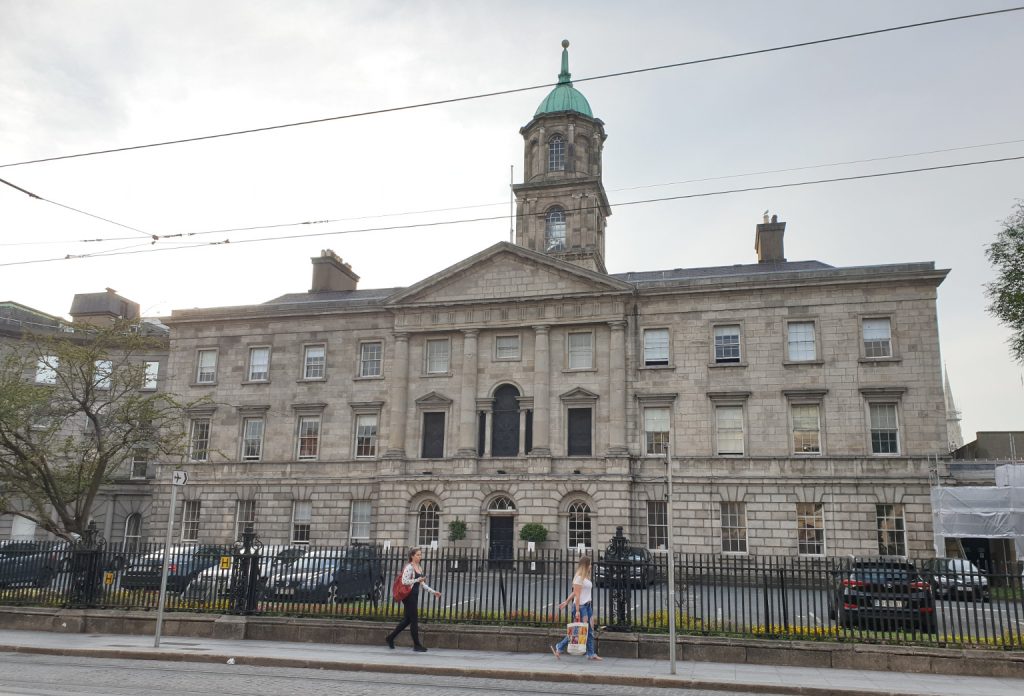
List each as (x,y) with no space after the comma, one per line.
(331,273)
(768,242)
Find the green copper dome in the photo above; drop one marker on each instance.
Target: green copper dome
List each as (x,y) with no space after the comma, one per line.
(564,97)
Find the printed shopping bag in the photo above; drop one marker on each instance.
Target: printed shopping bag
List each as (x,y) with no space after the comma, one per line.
(577,633)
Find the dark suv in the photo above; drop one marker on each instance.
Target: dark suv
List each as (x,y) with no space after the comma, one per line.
(331,576)
(638,570)
(885,593)
(30,562)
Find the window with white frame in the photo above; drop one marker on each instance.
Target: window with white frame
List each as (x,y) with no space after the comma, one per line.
(729,429)
(199,439)
(506,347)
(877,337)
(140,462)
(810,529)
(885,429)
(259,364)
(366,435)
(579,525)
(656,428)
(806,428)
(554,229)
(252,438)
(359,526)
(800,343)
(132,532)
(206,367)
(581,350)
(734,527)
(245,517)
(308,439)
(655,347)
(892,531)
(657,524)
(371,356)
(428,523)
(727,344)
(150,374)
(302,521)
(103,371)
(314,362)
(556,153)
(438,356)
(190,520)
(46,369)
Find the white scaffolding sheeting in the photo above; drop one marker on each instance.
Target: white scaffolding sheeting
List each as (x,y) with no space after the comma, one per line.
(983,512)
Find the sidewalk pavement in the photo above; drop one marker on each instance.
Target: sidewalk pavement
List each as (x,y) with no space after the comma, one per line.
(513,666)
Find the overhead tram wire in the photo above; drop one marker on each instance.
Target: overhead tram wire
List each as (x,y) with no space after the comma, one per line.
(183,235)
(440,223)
(517,90)
(77,210)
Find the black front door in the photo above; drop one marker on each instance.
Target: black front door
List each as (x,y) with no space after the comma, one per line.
(579,432)
(500,552)
(505,431)
(433,435)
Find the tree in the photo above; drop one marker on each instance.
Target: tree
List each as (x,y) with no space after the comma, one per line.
(73,411)
(1006,293)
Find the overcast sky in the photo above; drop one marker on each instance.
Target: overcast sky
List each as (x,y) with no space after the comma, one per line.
(82,76)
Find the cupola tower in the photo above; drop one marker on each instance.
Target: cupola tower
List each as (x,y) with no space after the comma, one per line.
(561,204)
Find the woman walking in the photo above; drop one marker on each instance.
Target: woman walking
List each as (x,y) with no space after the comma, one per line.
(412,576)
(582,599)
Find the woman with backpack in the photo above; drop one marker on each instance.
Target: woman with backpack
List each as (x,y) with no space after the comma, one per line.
(412,578)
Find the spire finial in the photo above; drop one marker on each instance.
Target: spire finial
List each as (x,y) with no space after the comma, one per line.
(565,76)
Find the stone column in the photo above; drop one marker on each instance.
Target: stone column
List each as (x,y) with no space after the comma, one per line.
(467,404)
(617,390)
(399,396)
(541,393)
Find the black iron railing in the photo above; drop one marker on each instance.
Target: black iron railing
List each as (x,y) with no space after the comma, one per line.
(925,601)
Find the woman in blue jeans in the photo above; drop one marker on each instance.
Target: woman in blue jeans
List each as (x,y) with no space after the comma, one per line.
(583,607)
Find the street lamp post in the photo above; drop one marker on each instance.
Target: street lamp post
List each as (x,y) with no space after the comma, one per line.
(671,563)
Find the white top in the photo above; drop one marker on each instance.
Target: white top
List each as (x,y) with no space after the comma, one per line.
(586,589)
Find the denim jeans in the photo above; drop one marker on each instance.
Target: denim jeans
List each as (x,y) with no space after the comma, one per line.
(587,617)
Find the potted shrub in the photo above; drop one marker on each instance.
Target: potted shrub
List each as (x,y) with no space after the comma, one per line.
(457,533)
(537,533)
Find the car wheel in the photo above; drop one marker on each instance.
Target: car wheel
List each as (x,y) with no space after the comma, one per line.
(377,593)
(332,594)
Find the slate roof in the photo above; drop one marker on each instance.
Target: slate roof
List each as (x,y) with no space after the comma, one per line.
(639,277)
(336,297)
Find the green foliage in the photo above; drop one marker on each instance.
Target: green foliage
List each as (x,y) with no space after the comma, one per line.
(533,531)
(1006,292)
(456,530)
(64,437)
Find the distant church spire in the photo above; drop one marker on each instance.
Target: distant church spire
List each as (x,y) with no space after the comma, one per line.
(954,435)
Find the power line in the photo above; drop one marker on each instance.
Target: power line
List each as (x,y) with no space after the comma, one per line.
(516,90)
(440,223)
(77,210)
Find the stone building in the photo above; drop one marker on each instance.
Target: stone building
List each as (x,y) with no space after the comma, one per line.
(802,403)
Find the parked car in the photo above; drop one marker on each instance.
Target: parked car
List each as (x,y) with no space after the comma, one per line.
(30,562)
(640,569)
(185,563)
(885,593)
(330,576)
(958,577)
(215,582)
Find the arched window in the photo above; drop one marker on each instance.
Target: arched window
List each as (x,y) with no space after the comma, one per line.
(132,532)
(505,429)
(554,230)
(428,523)
(502,504)
(579,524)
(556,154)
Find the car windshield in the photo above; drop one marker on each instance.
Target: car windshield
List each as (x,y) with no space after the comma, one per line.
(962,566)
(311,564)
(883,573)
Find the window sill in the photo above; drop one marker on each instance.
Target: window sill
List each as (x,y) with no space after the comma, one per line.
(306,380)
(720,365)
(364,378)
(519,359)
(148,389)
(657,367)
(255,381)
(792,363)
(570,370)
(886,455)
(866,361)
(203,384)
(806,455)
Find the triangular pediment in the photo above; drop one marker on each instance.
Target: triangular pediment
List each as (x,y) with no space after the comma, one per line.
(434,399)
(578,394)
(507,272)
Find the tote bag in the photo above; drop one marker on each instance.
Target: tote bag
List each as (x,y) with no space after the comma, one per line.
(577,634)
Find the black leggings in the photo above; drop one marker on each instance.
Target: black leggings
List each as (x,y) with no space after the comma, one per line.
(410,619)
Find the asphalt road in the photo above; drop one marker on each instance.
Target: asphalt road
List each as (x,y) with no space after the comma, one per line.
(40,675)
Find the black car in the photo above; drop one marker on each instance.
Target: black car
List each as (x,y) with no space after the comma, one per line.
(30,562)
(330,576)
(639,570)
(885,594)
(185,563)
